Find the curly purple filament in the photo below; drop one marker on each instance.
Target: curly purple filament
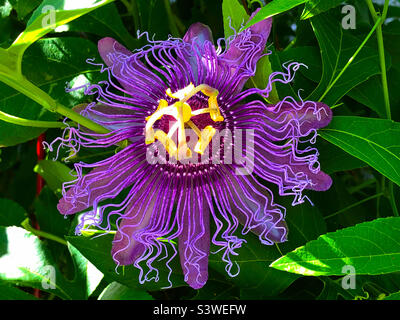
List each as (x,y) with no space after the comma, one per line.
(174,201)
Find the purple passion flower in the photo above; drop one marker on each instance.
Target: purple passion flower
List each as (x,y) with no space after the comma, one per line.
(154,97)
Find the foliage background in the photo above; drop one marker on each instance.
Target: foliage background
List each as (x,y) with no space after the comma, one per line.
(354,223)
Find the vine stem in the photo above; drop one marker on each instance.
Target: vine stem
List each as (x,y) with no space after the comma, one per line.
(30,123)
(381,51)
(25,224)
(23,85)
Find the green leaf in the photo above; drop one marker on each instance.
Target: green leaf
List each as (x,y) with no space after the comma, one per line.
(26,261)
(54,173)
(8,292)
(19,174)
(234,16)
(315,7)
(370,247)
(341,195)
(337,47)
(48,217)
(391,34)
(261,78)
(11,213)
(310,56)
(375,141)
(369,93)
(217,288)
(51,221)
(98,251)
(256,279)
(7,29)
(49,15)
(49,64)
(86,274)
(393,296)
(105,22)
(153,18)
(333,289)
(333,159)
(283,90)
(117,291)
(305,223)
(5,8)
(24,7)
(273,8)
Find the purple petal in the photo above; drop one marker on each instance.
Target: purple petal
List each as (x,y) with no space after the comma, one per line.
(252,204)
(108,47)
(244,52)
(198,33)
(112,117)
(106,181)
(309,116)
(149,202)
(194,240)
(131,73)
(126,247)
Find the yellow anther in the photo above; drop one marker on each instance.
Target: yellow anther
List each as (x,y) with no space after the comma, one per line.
(149,136)
(214,113)
(162,104)
(194,127)
(210,92)
(180,94)
(182,112)
(167,142)
(206,135)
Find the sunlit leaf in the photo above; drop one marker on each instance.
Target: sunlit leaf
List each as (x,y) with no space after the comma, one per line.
(49,15)
(370,248)
(25,260)
(315,7)
(374,141)
(49,64)
(234,16)
(273,8)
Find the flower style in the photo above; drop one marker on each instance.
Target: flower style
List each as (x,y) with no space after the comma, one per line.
(153,99)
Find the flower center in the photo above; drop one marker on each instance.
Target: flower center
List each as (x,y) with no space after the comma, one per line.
(182,113)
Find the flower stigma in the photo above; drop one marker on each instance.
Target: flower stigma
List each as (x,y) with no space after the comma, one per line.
(182,112)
